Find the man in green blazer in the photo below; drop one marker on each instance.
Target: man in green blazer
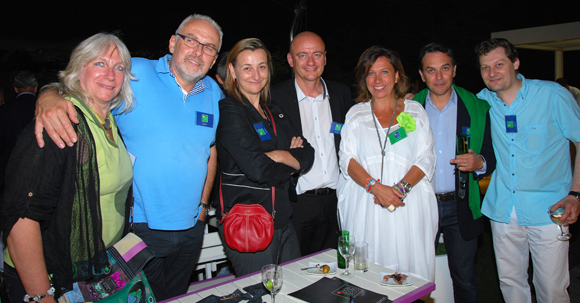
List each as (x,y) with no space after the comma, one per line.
(455,112)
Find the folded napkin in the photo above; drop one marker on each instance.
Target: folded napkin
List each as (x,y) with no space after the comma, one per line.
(236,296)
(256,290)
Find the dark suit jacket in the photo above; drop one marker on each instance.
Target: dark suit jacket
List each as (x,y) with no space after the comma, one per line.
(284,95)
(468,227)
(247,172)
(14,116)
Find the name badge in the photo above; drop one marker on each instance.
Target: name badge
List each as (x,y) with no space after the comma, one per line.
(511,126)
(262,131)
(335,128)
(466,130)
(204,119)
(398,135)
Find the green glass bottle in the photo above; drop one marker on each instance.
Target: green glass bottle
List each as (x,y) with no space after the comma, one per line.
(339,258)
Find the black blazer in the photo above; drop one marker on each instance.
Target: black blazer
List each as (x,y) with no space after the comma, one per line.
(284,95)
(468,227)
(247,172)
(14,116)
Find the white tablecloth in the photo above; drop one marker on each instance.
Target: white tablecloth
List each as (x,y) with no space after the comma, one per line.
(295,279)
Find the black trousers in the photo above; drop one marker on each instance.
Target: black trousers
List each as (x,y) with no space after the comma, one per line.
(314,219)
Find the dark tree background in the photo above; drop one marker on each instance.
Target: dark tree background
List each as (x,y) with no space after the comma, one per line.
(39,37)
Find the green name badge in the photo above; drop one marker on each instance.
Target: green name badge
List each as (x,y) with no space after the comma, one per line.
(398,135)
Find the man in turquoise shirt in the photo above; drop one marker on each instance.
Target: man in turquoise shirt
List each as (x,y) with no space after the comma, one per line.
(531,123)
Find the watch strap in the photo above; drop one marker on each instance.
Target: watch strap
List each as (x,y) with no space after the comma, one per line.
(575,194)
(406,186)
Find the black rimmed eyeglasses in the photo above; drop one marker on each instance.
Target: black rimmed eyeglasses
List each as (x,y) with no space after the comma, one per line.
(194,43)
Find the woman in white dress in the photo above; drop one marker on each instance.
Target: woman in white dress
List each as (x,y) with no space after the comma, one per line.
(387,159)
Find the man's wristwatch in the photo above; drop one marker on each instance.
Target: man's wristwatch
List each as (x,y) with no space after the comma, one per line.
(206,207)
(575,194)
(482,162)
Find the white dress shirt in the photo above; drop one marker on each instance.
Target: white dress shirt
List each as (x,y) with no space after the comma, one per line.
(316,119)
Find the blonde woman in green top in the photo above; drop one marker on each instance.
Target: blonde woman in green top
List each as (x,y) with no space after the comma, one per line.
(63,207)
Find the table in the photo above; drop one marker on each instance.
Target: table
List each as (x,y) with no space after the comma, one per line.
(295,279)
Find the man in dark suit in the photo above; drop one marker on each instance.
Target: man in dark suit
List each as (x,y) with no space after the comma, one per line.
(454,112)
(317,108)
(15,115)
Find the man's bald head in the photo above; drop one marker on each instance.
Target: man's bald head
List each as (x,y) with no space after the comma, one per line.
(307,56)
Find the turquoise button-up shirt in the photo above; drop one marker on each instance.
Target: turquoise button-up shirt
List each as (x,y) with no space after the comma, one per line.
(533,164)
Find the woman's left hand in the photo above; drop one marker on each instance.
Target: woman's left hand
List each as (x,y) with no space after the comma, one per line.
(387,196)
(297,142)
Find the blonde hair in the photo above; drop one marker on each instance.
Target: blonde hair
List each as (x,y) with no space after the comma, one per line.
(87,51)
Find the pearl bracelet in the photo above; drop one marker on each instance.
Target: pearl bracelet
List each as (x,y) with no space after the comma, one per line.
(37,298)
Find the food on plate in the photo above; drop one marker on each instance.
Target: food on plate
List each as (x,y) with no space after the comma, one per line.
(398,278)
(324,268)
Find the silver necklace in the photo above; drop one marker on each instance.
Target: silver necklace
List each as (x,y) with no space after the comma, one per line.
(383,146)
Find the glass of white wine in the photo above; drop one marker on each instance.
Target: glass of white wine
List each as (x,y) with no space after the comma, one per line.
(555,216)
(272,279)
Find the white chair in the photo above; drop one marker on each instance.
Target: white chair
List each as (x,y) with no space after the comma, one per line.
(212,251)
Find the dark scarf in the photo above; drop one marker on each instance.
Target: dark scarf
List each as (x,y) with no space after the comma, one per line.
(67,204)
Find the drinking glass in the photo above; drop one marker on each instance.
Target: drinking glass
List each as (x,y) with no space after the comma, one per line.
(361,257)
(555,216)
(272,279)
(346,247)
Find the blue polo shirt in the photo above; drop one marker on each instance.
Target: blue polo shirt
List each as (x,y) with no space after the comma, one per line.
(169,133)
(533,164)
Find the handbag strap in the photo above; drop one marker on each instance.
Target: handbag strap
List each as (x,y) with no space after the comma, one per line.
(273,188)
(271,119)
(224,214)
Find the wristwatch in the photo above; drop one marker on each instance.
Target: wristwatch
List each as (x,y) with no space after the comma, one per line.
(575,194)
(206,207)
(406,186)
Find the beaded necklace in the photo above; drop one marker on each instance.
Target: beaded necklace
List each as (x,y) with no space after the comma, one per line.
(106,125)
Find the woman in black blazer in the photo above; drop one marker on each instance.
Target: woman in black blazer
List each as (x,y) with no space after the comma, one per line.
(258,151)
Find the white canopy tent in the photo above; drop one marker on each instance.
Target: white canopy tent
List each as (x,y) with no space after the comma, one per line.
(557,38)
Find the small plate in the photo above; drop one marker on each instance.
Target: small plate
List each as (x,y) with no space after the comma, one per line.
(392,282)
(318,271)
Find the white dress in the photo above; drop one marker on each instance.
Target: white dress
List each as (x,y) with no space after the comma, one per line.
(403,240)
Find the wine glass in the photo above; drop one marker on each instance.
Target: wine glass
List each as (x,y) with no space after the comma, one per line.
(346,247)
(272,279)
(555,216)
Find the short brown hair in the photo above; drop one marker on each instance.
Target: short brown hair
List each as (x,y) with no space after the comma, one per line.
(367,59)
(487,46)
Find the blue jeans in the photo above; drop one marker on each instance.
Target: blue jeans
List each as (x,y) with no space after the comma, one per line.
(176,254)
(460,253)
